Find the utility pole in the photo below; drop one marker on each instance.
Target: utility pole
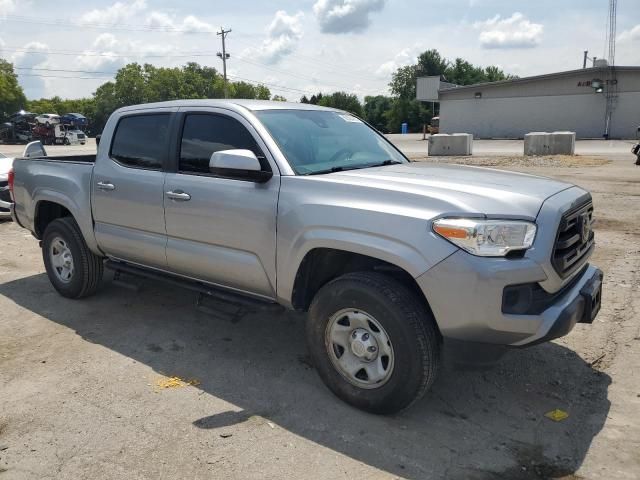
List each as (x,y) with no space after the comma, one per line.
(224,56)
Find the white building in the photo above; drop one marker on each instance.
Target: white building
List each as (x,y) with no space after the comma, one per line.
(592,102)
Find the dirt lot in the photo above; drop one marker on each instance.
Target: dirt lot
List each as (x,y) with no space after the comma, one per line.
(86,389)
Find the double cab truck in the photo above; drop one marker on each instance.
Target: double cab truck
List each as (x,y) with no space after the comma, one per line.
(313,209)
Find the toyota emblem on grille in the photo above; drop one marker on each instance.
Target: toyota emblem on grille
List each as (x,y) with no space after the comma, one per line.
(585,227)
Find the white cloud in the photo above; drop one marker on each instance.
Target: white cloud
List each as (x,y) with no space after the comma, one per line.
(34,86)
(7,7)
(515,31)
(283,35)
(406,56)
(345,16)
(116,13)
(108,53)
(189,24)
(631,35)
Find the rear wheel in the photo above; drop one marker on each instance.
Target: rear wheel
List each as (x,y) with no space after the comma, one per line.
(373,342)
(74,271)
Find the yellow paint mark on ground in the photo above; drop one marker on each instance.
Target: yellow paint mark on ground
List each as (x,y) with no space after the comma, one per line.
(176,382)
(557,415)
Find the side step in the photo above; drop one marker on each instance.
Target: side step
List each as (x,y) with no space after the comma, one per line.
(205,290)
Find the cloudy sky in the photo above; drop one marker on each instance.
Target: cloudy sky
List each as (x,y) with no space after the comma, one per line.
(69,48)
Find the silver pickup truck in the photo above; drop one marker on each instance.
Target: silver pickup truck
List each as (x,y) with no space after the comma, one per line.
(311,208)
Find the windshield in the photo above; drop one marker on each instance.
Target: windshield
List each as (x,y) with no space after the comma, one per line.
(316,141)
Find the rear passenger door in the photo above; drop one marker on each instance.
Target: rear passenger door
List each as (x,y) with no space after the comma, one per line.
(127,189)
(224,230)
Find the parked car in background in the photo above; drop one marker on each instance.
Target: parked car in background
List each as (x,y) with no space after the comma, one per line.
(310,208)
(22,117)
(48,119)
(5,198)
(74,119)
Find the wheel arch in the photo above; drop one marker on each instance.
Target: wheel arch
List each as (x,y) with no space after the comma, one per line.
(321,265)
(50,205)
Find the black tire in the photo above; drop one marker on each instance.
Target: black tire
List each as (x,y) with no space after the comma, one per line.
(410,327)
(67,142)
(88,267)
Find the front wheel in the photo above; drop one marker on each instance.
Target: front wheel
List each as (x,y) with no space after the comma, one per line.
(373,342)
(73,269)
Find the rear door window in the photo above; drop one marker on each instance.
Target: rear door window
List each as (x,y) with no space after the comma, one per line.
(140,141)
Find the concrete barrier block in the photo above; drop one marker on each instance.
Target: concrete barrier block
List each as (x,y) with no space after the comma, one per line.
(544,143)
(537,143)
(442,144)
(563,143)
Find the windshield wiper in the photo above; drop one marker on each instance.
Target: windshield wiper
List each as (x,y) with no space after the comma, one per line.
(332,170)
(354,167)
(385,163)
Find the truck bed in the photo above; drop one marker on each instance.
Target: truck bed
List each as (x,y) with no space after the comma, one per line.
(64,180)
(64,158)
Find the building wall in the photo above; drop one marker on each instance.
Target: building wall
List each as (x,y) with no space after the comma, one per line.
(511,110)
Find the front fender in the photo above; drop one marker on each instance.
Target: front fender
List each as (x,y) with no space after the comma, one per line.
(391,250)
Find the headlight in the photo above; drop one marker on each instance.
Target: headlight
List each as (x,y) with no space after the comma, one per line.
(487,238)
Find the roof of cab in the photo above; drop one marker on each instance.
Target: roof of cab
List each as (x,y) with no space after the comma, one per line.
(232,104)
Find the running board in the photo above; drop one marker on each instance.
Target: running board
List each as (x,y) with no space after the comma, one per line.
(204,289)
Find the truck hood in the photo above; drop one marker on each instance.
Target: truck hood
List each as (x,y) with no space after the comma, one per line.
(458,189)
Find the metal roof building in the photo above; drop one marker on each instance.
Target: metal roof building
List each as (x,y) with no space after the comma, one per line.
(593,102)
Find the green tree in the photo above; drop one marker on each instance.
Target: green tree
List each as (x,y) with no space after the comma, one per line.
(315,99)
(12,96)
(130,85)
(431,63)
(343,101)
(495,74)
(262,92)
(414,113)
(278,98)
(375,111)
(403,82)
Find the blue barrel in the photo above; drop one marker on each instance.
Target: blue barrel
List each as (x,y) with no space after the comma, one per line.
(405,128)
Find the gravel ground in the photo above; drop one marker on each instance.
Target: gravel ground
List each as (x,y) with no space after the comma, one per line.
(517,161)
(141,384)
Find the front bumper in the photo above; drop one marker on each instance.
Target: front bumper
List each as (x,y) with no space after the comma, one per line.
(466,294)
(5,209)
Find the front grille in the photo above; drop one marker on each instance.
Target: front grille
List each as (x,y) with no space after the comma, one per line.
(574,240)
(81,136)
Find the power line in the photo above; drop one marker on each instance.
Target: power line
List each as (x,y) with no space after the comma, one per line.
(166,29)
(106,54)
(102,26)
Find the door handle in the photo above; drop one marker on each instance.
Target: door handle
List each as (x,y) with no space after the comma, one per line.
(179,195)
(106,186)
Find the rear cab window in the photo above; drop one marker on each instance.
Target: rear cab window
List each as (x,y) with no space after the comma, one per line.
(141,141)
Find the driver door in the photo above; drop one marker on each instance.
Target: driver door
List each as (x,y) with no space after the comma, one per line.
(221,230)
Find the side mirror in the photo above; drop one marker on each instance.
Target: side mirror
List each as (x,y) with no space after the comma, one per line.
(34,149)
(98,137)
(238,164)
